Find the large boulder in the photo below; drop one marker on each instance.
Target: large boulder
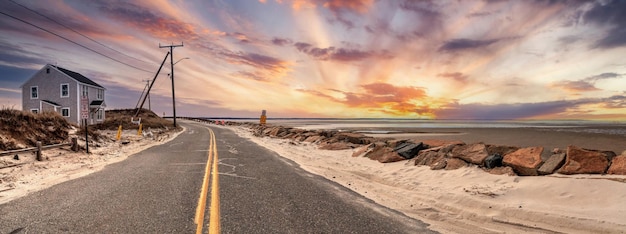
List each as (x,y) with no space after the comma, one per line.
(439,163)
(337,146)
(493,161)
(427,157)
(354,138)
(472,153)
(582,161)
(552,164)
(361,151)
(384,154)
(502,171)
(409,150)
(524,161)
(454,163)
(501,149)
(618,165)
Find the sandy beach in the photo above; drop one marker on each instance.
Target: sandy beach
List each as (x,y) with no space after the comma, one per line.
(469,200)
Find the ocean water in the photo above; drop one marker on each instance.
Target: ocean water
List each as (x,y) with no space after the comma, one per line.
(382,126)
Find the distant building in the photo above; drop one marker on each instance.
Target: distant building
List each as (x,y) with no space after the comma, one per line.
(60,90)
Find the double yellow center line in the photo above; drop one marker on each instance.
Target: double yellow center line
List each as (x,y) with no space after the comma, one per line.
(214,215)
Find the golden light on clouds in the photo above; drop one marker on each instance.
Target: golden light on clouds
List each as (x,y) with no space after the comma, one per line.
(341,58)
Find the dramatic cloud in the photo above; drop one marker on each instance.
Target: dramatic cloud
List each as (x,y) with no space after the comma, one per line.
(617,101)
(463,44)
(603,76)
(383,98)
(489,59)
(337,54)
(609,13)
(281,41)
(155,23)
(576,86)
(505,111)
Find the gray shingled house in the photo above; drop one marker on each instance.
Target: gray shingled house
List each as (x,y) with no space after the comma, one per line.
(57,89)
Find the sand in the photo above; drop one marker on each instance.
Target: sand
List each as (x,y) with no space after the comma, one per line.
(466,200)
(62,164)
(469,200)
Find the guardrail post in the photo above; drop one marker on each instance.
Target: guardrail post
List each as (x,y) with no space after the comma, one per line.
(74,144)
(39,151)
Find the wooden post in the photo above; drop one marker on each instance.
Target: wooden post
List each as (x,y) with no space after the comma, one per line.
(39,151)
(74,144)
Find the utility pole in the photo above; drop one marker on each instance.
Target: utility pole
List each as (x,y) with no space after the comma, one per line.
(172,68)
(148,85)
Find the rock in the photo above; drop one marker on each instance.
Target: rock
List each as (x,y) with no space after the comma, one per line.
(501,149)
(428,158)
(455,163)
(557,151)
(472,153)
(437,143)
(313,138)
(493,161)
(336,146)
(384,154)
(363,150)
(395,143)
(524,161)
(581,161)
(502,171)
(552,164)
(409,150)
(618,165)
(439,164)
(354,138)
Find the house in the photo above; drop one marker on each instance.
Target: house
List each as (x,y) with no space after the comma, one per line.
(69,93)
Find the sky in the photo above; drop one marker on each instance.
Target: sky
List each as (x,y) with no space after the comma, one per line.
(489,59)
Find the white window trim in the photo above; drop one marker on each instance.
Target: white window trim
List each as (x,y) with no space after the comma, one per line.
(99,114)
(31,92)
(68,111)
(34,111)
(85,91)
(100,94)
(68,90)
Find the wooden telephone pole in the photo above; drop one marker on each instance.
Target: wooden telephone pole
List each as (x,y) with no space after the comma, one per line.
(172,69)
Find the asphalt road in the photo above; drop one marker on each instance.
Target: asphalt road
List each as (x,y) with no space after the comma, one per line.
(157,190)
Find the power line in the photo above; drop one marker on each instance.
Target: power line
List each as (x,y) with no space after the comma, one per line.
(59,23)
(76,43)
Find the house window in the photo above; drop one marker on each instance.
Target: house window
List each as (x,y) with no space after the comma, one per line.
(34,92)
(47,70)
(99,114)
(100,94)
(85,91)
(34,111)
(65,90)
(65,112)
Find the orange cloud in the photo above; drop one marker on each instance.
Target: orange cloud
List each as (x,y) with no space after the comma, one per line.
(384,98)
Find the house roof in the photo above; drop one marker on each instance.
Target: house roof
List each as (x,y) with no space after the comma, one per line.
(51,102)
(78,77)
(96,103)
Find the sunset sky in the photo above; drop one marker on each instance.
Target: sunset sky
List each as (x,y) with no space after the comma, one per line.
(491,59)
